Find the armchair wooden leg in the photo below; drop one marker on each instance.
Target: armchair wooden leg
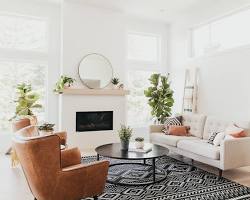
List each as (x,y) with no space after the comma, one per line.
(95,197)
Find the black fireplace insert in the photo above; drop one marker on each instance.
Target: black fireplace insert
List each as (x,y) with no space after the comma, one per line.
(94,121)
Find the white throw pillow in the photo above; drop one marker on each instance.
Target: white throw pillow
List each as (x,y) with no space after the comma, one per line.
(228,137)
(219,138)
(232,130)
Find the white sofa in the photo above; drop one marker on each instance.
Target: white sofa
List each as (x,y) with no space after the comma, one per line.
(232,153)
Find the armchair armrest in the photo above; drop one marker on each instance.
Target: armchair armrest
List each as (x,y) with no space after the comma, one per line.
(91,177)
(63,137)
(70,157)
(156,128)
(235,153)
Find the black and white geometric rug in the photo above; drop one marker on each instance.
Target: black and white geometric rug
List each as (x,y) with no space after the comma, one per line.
(184,182)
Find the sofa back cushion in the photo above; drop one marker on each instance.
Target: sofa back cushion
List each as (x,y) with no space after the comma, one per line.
(196,123)
(214,124)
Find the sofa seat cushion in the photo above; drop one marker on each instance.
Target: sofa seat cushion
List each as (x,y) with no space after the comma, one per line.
(170,140)
(200,147)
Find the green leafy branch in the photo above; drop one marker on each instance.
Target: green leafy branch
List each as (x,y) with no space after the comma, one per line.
(160,96)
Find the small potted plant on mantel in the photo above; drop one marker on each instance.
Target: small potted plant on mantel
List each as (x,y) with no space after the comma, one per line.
(125,134)
(139,142)
(63,83)
(115,81)
(46,129)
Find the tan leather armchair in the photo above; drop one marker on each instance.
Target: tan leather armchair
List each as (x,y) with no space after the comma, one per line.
(53,174)
(19,124)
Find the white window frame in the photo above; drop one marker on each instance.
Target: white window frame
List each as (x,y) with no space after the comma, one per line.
(209,22)
(147,66)
(29,56)
(140,63)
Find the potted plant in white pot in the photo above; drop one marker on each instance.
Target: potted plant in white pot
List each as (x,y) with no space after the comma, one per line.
(25,104)
(115,81)
(139,142)
(46,129)
(64,82)
(125,134)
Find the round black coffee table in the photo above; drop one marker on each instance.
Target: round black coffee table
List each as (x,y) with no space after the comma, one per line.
(114,151)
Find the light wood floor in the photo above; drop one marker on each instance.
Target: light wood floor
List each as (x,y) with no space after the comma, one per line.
(13,185)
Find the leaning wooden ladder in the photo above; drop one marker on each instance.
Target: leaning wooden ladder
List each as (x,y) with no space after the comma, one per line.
(189,104)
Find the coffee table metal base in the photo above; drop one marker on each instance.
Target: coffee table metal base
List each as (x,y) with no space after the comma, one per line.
(154,173)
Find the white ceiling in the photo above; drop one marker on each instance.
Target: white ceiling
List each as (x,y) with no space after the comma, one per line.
(167,10)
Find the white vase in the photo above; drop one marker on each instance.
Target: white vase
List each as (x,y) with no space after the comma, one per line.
(115,87)
(44,133)
(139,145)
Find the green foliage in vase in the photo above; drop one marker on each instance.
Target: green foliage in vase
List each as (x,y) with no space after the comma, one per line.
(125,133)
(62,82)
(46,127)
(160,97)
(139,139)
(115,81)
(26,101)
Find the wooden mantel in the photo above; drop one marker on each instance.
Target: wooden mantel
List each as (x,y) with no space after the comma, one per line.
(82,91)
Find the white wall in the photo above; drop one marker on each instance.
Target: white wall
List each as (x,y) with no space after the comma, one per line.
(92,30)
(224,87)
(89,29)
(223,79)
(50,11)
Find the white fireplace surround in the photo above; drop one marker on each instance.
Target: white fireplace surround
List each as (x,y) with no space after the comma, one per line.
(69,104)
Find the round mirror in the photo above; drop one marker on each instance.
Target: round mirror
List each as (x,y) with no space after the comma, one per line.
(95,71)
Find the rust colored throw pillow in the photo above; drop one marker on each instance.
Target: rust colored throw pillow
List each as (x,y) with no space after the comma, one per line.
(235,131)
(239,134)
(178,130)
(174,121)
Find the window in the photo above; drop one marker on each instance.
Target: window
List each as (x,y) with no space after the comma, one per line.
(201,39)
(228,32)
(21,35)
(144,49)
(138,108)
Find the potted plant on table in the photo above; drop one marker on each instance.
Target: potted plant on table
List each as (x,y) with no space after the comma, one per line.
(46,129)
(63,83)
(139,142)
(125,134)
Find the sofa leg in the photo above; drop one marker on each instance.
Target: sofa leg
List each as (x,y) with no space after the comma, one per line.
(95,197)
(220,173)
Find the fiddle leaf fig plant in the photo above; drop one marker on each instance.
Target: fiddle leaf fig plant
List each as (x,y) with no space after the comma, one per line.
(64,81)
(160,97)
(26,101)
